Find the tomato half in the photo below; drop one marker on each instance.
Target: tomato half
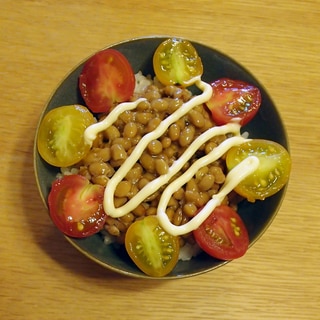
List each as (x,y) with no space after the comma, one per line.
(223,234)
(60,137)
(273,171)
(106,79)
(76,206)
(153,250)
(176,61)
(233,99)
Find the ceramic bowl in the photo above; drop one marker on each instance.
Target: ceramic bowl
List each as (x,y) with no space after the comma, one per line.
(266,125)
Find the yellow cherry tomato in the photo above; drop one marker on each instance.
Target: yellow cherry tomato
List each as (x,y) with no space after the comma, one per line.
(151,248)
(176,61)
(60,137)
(273,171)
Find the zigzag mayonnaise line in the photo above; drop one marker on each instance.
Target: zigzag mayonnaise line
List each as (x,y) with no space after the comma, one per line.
(155,184)
(236,175)
(234,128)
(91,132)
(143,143)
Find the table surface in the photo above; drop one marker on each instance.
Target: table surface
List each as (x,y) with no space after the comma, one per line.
(42,276)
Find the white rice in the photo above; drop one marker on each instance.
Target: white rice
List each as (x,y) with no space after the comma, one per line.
(142,82)
(67,171)
(188,251)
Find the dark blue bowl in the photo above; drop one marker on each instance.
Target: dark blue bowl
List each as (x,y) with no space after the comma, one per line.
(266,125)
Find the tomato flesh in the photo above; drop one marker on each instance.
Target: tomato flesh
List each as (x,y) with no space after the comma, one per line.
(223,234)
(176,61)
(76,206)
(233,100)
(106,79)
(60,137)
(273,171)
(153,250)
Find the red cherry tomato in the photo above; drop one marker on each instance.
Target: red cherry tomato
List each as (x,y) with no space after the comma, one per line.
(75,206)
(223,234)
(106,79)
(233,99)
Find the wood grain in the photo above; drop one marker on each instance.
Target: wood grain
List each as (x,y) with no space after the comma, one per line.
(42,276)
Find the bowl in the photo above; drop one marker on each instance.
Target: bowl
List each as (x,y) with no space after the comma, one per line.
(267,124)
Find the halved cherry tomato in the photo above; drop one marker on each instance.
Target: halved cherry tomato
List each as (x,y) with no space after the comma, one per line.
(76,206)
(233,99)
(272,173)
(223,234)
(176,61)
(60,137)
(106,79)
(153,250)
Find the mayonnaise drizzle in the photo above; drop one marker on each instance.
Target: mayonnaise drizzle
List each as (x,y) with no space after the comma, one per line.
(155,184)
(232,180)
(91,132)
(237,174)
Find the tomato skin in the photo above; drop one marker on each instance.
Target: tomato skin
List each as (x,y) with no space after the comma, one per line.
(176,61)
(273,171)
(76,206)
(233,99)
(223,234)
(106,79)
(153,250)
(60,136)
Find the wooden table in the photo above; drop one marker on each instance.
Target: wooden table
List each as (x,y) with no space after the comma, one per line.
(42,276)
